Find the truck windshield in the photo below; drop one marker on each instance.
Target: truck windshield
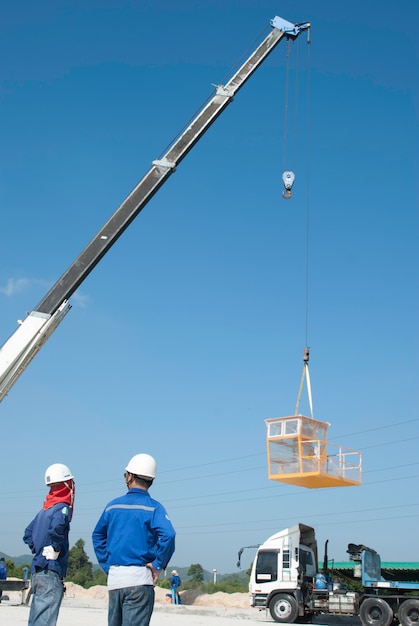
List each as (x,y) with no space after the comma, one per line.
(267,567)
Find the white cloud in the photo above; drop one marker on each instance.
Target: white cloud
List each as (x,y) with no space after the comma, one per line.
(19,285)
(15,285)
(79,298)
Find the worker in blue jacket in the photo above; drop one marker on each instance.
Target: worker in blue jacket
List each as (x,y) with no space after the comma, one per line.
(47,538)
(175,583)
(134,541)
(3,573)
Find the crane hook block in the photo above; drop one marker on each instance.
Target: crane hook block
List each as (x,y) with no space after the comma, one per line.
(288,181)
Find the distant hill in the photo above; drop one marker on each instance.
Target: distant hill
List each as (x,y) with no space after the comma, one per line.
(208,576)
(24,559)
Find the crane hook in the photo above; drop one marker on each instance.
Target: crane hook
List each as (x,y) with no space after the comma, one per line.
(288,181)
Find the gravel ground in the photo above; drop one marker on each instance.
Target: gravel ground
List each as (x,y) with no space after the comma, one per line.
(94,613)
(89,608)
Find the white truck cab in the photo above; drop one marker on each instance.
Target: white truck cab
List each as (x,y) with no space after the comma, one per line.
(285,579)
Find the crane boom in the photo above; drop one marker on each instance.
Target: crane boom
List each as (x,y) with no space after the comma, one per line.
(40,323)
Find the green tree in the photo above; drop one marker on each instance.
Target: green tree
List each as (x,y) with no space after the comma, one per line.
(80,569)
(196,573)
(228,584)
(99,578)
(163,583)
(16,571)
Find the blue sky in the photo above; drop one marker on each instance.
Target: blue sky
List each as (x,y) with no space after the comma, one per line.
(190,332)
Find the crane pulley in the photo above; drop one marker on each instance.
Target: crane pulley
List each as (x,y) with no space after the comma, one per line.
(288,181)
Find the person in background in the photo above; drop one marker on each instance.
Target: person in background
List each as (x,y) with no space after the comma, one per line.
(133,541)
(3,573)
(47,538)
(175,583)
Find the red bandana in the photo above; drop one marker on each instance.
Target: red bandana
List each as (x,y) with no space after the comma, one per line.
(60,492)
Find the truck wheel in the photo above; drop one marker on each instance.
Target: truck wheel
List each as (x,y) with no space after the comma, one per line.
(409,612)
(284,608)
(375,612)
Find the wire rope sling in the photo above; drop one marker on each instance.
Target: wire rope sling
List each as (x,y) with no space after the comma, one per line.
(299,452)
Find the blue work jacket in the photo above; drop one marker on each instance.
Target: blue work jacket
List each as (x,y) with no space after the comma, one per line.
(50,527)
(134,530)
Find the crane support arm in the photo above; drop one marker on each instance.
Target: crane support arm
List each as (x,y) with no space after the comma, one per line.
(25,343)
(51,309)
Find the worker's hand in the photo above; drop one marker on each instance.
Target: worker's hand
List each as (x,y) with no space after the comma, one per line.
(154,572)
(49,553)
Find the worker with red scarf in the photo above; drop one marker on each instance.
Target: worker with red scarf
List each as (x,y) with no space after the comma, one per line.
(47,537)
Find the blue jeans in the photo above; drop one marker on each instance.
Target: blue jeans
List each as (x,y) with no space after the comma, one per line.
(47,594)
(131,606)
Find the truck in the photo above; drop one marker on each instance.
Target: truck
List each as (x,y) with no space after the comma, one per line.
(39,324)
(286,580)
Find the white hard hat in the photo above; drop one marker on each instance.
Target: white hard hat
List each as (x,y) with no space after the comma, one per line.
(142,465)
(57,473)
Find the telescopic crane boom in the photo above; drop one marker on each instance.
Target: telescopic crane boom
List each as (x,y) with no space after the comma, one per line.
(37,327)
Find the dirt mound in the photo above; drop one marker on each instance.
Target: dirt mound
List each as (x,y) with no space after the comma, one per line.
(219,599)
(98,592)
(189,596)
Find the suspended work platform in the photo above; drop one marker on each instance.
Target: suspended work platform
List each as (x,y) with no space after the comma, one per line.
(299,454)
